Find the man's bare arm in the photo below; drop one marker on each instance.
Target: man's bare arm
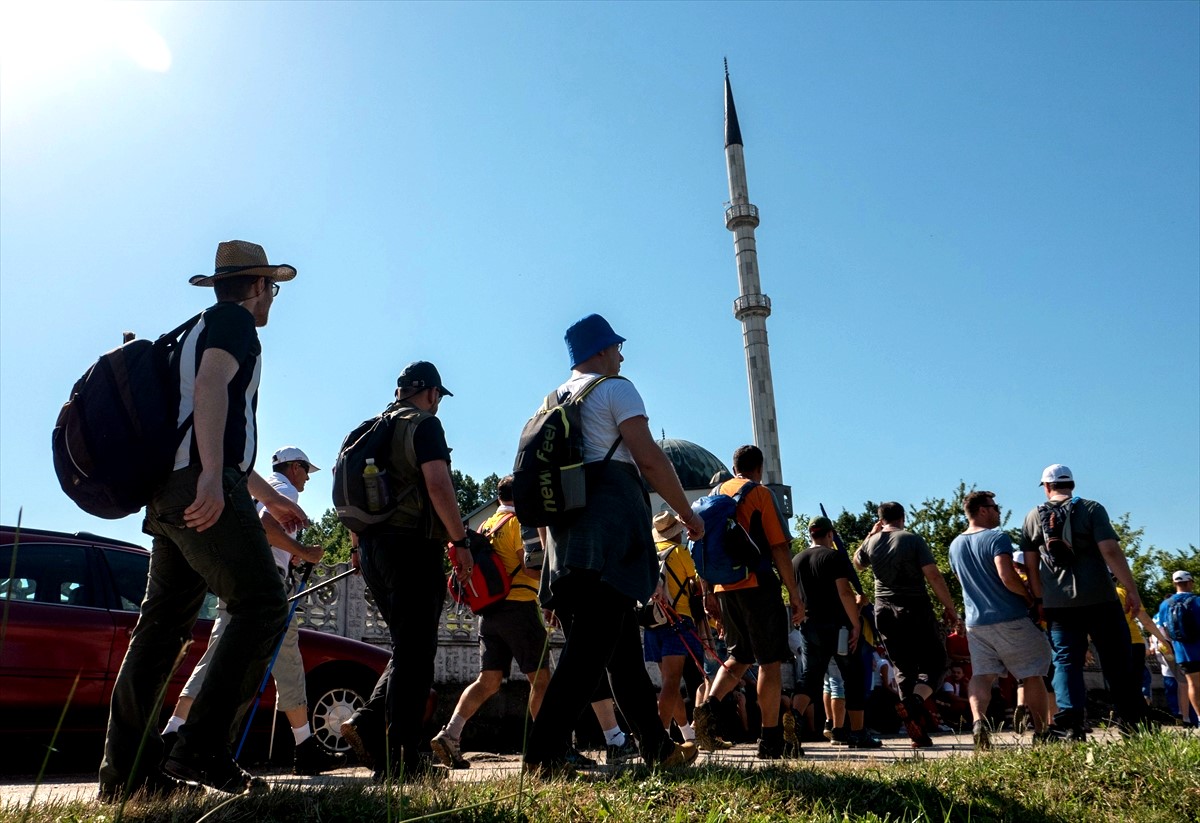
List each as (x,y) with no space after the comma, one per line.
(1119,566)
(281,539)
(445,504)
(1009,577)
(217,368)
(938,584)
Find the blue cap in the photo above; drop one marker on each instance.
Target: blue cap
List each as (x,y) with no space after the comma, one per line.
(588,337)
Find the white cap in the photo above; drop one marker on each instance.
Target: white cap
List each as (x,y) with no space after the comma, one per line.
(1019,557)
(289,454)
(1181,576)
(1056,473)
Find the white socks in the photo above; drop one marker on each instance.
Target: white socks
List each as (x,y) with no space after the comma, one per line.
(173,724)
(614,736)
(455,727)
(689,734)
(301,733)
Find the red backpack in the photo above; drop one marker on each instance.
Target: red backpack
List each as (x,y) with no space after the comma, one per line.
(490,582)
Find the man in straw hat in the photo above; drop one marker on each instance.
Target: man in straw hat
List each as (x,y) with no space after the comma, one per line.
(207,535)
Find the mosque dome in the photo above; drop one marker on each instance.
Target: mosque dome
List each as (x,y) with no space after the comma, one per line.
(694,464)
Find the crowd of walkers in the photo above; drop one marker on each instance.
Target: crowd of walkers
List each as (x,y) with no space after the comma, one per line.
(754,656)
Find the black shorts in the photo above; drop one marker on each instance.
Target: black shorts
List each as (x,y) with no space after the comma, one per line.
(513,629)
(756,624)
(1189,667)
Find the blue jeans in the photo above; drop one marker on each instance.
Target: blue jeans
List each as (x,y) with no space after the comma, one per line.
(232,559)
(1070,629)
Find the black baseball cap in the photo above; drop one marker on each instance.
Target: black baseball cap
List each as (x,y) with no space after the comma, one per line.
(421,374)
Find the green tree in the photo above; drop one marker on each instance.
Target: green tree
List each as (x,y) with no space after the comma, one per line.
(331,535)
(467,491)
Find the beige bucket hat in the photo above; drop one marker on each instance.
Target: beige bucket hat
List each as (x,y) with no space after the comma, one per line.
(237,258)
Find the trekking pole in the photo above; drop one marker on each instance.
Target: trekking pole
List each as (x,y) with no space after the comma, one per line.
(262,687)
(320,585)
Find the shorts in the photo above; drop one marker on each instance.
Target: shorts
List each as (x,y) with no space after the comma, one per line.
(1016,646)
(513,629)
(834,685)
(1189,666)
(672,641)
(756,624)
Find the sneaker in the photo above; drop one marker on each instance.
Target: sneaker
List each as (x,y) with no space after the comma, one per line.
(704,721)
(1021,719)
(447,750)
(791,740)
(770,749)
(827,732)
(578,760)
(313,758)
(982,738)
(218,771)
(839,737)
(617,755)
(156,786)
(863,740)
(168,740)
(353,735)
(681,755)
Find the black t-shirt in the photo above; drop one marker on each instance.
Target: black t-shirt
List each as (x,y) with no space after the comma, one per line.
(231,328)
(429,441)
(817,572)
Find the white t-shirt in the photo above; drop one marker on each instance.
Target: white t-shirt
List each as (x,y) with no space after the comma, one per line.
(605,408)
(284,487)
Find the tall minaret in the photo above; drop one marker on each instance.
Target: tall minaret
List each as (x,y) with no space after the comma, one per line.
(752,306)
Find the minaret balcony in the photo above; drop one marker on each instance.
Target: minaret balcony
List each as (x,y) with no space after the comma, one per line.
(752,304)
(740,214)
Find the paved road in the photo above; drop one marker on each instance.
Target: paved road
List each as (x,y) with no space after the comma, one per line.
(16,789)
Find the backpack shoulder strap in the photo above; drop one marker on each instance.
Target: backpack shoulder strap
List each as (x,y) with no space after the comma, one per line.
(743,491)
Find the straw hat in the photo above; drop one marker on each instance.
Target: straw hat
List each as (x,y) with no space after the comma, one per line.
(236,258)
(666,526)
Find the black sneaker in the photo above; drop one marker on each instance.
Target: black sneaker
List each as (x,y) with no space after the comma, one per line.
(863,740)
(156,786)
(827,732)
(619,755)
(578,760)
(169,739)
(218,771)
(313,758)
(838,737)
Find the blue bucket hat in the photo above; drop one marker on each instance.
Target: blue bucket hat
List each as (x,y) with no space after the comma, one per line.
(588,337)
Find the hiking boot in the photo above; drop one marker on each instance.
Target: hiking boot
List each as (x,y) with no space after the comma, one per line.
(682,754)
(863,740)
(352,735)
(704,721)
(313,758)
(982,738)
(155,786)
(839,737)
(218,771)
(770,749)
(617,755)
(791,740)
(447,750)
(1021,719)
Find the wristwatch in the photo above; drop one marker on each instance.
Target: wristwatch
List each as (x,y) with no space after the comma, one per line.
(464,543)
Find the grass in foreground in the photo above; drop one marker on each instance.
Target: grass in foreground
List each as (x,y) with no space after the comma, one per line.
(1153,778)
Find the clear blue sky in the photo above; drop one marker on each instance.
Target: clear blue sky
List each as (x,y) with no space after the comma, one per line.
(980,226)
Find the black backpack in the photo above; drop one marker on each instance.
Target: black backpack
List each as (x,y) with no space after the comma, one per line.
(548,476)
(1055,521)
(115,439)
(370,439)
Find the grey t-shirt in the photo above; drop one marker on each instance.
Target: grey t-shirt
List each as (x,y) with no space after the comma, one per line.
(896,558)
(1085,581)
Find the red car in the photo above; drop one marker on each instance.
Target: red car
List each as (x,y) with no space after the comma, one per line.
(67,607)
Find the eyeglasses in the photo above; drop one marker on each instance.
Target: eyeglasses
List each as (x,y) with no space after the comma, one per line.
(274,289)
(307,468)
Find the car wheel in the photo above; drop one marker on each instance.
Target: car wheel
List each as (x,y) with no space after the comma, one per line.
(332,701)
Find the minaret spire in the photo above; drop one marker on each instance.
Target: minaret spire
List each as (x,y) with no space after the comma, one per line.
(752,307)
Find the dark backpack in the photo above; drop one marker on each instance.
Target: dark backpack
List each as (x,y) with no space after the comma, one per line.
(1055,520)
(727,553)
(115,439)
(1181,618)
(548,475)
(371,439)
(490,581)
